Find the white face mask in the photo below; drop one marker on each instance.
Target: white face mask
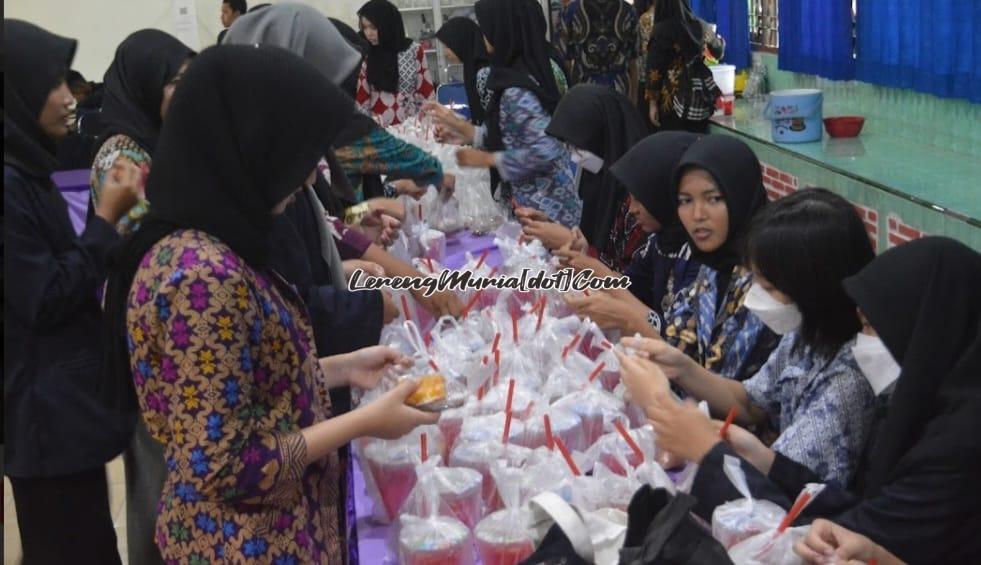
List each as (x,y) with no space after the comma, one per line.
(779,317)
(875,361)
(589,161)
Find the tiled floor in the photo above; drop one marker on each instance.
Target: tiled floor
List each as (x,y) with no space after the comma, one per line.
(117,504)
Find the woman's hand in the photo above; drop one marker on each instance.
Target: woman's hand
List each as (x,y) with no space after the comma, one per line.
(747,446)
(121,190)
(681,428)
(450,127)
(363,368)
(445,303)
(449,185)
(643,378)
(389,417)
(579,261)
(475,158)
(675,364)
(579,242)
(409,188)
(526,214)
(653,115)
(827,542)
(607,311)
(380,228)
(551,234)
(368,267)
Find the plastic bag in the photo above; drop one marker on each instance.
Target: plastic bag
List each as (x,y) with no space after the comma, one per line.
(776,546)
(505,537)
(496,399)
(446,215)
(740,519)
(634,412)
(392,466)
(564,424)
(432,244)
(609,446)
(490,428)
(458,490)
(436,537)
(598,410)
(479,456)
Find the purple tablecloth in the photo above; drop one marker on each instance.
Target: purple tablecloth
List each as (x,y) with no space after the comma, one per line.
(74,186)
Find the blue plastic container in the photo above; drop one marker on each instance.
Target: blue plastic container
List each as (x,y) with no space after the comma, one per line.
(795,115)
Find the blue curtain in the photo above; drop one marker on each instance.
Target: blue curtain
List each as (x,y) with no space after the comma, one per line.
(931,46)
(732,20)
(816,38)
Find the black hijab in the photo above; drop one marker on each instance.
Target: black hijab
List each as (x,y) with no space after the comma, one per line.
(36,62)
(144,63)
(516,30)
(462,35)
(738,174)
(244,130)
(676,23)
(607,124)
(351,36)
(647,173)
(923,300)
(383,59)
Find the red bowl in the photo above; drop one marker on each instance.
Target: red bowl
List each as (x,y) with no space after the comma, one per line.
(844,126)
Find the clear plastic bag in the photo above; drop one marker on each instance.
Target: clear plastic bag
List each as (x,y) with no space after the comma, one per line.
(776,546)
(446,214)
(495,401)
(598,410)
(741,519)
(392,466)
(428,536)
(608,449)
(458,490)
(505,537)
(479,456)
(564,424)
(490,427)
(635,414)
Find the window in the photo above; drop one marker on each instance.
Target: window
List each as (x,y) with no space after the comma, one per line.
(763,24)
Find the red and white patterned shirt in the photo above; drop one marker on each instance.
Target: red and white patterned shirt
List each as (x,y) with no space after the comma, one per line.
(415,88)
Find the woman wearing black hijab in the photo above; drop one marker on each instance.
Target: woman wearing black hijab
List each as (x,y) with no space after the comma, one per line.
(58,436)
(395,80)
(719,186)
(661,270)
(535,167)
(465,45)
(599,125)
(138,87)
(919,493)
(243,412)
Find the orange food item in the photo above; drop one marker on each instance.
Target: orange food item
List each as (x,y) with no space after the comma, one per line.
(432,388)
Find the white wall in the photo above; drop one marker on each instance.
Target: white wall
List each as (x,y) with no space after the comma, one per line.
(100,25)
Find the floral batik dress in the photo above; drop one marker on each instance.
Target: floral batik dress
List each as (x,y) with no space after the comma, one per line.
(227,375)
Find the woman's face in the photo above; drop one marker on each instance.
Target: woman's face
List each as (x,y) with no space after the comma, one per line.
(769,288)
(451,56)
(56,111)
(281,206)
(488,46)
(370,31)
(866,326)
(168,90)
(703,211)
(645,220)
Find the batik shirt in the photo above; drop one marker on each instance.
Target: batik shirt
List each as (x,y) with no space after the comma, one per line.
(120,147)
(381,153)
(537,166)
(823,409)
(730,340)
(485,95)
(415,88)
(659,279)
(227,375)
(599,39)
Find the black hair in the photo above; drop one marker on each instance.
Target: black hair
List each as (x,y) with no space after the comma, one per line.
(237,5)
(74,77)
(805,245)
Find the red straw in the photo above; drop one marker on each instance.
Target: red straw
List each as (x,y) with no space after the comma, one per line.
(473,301)
(429,263)
(606,344)
(497,367)
(724,431)
(405,308)
(599,369)
(630,441)
(497,341)
(492,273)
(541,312)
(510,396)
(514,327)
(434,365)
(795,511)
(586,292)
(480,391)
(482,257)
(424,446)
(567,456)
(507,426)
(549,443)
(572,344)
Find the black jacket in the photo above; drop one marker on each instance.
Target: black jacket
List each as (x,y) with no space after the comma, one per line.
(54,423)
(928,513)
(343,321)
